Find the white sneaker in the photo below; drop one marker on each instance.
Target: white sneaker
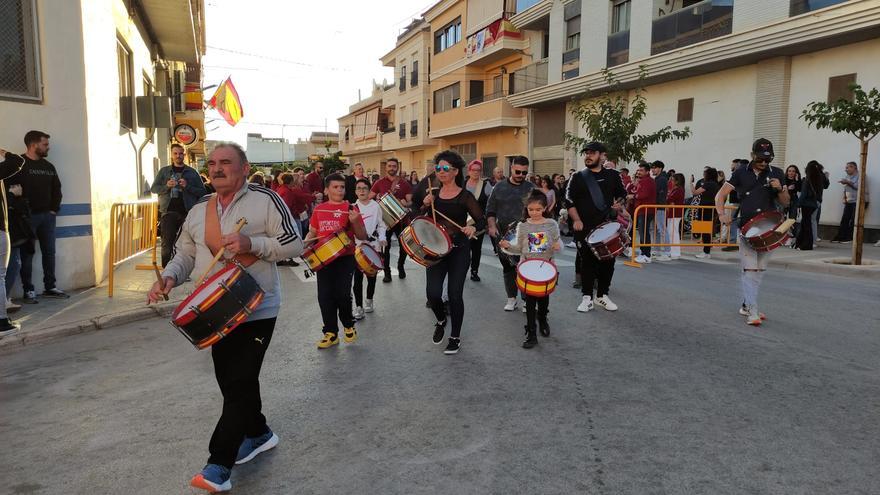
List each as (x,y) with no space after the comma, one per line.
(11,307)
(586,304)
(511,304)
(571,244)
(606,303)
(702,255)
(358,313)
(877,244)
(627,252)
(368,305)
(754,318)
(524,307)
(642,259)
(663,257)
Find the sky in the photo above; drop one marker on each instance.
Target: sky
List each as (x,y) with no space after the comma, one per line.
(298,63)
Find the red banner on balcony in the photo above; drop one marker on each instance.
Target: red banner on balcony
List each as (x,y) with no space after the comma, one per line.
(491,34)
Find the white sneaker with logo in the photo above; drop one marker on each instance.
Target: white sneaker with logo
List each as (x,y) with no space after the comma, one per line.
(368,305)
(586,304)
(606,303)
(511,304)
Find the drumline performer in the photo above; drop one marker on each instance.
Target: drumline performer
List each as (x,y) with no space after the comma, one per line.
(452,200)
(592,197)
(537,237)
(269,236)
(400,188)
(759,189)
(334,279)
(504,207)
(481,189)
(371,214)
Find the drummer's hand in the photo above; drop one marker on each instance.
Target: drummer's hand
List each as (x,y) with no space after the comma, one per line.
(353,215)
(504,244)
(557,246)
(2,154)
(236,243)
(157,291)
(775,184)
(725,218)
(577,225)
(493,231)
(469,231)
(428,199)
(382,244)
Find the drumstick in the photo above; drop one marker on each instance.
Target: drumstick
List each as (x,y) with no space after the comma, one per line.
(784,226)
(159,278)
(241,223)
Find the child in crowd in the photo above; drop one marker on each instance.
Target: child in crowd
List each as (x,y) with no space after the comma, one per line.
(536,237)
(371,214)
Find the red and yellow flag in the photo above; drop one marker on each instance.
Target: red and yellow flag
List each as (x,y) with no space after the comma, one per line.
(225,101)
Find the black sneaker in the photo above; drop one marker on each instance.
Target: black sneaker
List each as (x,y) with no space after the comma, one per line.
(8,327)
(531,340)
(544,327)
(475,277)
(453,346)
(401,273)
(55,293)
(439,330)
(387,278)
(30,297)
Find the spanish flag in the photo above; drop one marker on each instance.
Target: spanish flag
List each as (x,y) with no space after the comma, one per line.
(225,101)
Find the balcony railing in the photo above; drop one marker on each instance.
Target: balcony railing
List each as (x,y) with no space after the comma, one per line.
(403,83)
(523,5)
(699,22)
(402,132)
(618,48)
(414,128)
(799,7)
(476,100)
(571,55)
(529,77)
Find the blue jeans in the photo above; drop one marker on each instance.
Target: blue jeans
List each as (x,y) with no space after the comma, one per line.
(12,268)
(43,225)
(662,233)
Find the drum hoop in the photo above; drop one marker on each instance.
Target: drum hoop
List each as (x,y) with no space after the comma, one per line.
(186,302)
(778,217)
(531,281)
(441,228)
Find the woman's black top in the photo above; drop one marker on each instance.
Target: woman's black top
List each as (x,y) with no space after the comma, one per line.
(457,209)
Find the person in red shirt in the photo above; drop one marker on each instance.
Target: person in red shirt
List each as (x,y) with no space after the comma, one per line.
(314,181)
(294,196)
(334,279)
(646,194)
(675,197)
(401,190)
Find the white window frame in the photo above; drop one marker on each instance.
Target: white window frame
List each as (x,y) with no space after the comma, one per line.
(32,60)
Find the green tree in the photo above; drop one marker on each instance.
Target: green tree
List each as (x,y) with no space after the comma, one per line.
(613,119)
(333,163)
(859,116)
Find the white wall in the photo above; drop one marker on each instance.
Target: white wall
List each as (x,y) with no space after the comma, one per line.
(722,125)
(259,151)
(809,82)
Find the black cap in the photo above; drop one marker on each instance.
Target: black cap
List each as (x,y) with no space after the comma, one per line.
(593,146)
(763,149)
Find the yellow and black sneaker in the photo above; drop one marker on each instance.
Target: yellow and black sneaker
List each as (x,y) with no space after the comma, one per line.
(329,340)
(350,335)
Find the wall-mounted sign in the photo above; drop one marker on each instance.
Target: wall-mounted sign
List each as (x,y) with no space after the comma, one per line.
(185,134)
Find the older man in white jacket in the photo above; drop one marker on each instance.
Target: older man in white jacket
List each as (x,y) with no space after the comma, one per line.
(269,236)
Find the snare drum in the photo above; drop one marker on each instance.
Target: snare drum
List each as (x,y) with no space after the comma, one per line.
(369,261)
(536,277)
(326,250)
(392,210)
(512,254)
(425,241)
(608,240)
(760,232)
(217,306)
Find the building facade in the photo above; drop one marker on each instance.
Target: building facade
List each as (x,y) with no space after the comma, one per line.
(362,131)
(731,70)
(73,69)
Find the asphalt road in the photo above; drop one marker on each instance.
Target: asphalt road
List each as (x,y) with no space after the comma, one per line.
(672,394)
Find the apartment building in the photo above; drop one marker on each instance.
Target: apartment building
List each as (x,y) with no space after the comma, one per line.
(474,55)
(731,70)
(75,69)
(362,130)
(406,100)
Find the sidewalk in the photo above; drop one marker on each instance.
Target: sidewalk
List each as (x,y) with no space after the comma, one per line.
(91,309)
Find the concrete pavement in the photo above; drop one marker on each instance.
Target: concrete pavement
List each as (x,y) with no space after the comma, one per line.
(672,394)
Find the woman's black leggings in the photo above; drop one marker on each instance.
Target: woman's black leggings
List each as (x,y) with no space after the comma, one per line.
(359,287)
(455,266)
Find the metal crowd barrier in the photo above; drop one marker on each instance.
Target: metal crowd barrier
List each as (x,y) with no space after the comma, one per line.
(696,221)
(133,231)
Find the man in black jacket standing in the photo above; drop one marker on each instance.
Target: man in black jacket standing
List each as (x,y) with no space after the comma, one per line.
(179,188)
(42,190)
(10,165)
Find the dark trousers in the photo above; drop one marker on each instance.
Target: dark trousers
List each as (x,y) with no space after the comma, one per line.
(334,293)
(237,361)
(847,223)
(359,287)
(706,214)
(386,253)
(536,307)
(476,252)
(455,266)
(804,240)
(43,225)
(593,269)
(646,225)
(508,269)
(169,226)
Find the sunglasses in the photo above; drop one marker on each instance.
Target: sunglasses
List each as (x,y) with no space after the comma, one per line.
(443,168)
(519,172)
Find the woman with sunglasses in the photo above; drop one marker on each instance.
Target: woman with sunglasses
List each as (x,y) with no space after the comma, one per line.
(452,200)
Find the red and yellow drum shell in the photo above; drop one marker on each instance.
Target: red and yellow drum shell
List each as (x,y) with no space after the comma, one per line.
(369,265)
(536,288)
(326,250)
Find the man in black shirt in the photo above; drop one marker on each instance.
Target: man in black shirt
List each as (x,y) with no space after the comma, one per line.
(41,188)
(759,188)
(10,164)
(179,188)
(587,212)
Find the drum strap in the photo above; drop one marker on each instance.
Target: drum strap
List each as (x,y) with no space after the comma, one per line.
(595,191)
(212,234)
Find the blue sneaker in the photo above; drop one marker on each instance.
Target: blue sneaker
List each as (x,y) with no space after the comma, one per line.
(213,478)
(253,446)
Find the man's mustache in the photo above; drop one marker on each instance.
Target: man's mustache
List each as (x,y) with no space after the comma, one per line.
(218,175)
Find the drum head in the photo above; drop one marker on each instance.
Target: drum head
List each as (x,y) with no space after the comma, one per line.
(760,227)
(431,236)
(537,270)
(371,254)
(203,292)
(603,232)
